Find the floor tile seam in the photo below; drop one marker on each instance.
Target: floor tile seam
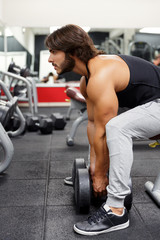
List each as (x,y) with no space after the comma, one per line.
(144,176)
(147,158)
(43,160)
(59,177)
(70,161)
(22,206)
(46,192)
(35,161)
(132,176)
(23,179)
(61,205)
(30,179)
(142,202)
(138,213)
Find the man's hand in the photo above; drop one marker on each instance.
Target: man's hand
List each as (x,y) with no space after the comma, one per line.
(99,185)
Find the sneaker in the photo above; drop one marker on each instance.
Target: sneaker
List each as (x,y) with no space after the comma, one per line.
(68,181)
(102,221)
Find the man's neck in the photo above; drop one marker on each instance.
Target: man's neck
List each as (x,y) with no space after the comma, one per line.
(80,67)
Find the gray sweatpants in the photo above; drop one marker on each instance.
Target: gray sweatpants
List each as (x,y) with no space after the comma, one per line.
(141,122)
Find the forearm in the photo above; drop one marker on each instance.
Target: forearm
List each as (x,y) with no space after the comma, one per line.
(99,157)
(102,156)
(90,133)
(100,178)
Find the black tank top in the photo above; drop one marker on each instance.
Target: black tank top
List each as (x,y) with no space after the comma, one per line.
(144,84)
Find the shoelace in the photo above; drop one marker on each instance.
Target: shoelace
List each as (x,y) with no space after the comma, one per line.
(95,217)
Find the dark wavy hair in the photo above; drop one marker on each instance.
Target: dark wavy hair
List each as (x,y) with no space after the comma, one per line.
(73,40)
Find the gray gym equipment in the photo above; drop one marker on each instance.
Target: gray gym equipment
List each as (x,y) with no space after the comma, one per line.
(6,150)
(144,50)
(78,103)
(153,189)
(76,123)
(31,89)
(76,99)
(18,113)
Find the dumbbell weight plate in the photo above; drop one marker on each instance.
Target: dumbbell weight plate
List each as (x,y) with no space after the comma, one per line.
(82,190)
(77,164)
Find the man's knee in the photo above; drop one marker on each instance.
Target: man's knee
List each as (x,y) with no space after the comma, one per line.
(115,128)
(111,128)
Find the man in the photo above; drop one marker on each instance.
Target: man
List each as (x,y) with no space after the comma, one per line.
(156,61)
(109,81)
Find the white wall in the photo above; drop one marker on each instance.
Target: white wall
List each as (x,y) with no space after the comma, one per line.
(6,58)
(26,39)
(44,66)
(1,10)
(101,13)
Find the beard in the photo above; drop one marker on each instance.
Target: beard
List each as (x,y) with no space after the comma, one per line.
(67,65)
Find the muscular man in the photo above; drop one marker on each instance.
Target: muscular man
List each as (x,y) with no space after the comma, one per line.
(109,81)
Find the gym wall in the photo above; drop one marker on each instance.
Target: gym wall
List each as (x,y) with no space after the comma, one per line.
(1,44)
(14,46)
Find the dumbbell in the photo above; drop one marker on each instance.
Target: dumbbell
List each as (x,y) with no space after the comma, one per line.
(44,123)
(24,72)
(35,123)
(58,121)
(83,191)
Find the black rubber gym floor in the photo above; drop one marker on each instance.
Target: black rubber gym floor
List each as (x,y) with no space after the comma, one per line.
(36,205)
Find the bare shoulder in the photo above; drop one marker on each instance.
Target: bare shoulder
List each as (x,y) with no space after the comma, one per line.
(108,73)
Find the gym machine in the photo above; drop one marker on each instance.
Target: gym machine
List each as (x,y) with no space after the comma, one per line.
(28,75)
(10,109)
(33,122)
(6,150)
(29,85)
(153,189)
(7,110)
(77,102)
(141,49)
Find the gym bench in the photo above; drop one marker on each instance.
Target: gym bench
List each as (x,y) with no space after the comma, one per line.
(77,102)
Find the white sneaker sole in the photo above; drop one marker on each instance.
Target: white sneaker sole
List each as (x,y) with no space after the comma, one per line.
(68,182)
(115,228)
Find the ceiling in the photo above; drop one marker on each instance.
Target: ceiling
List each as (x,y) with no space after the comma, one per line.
(96,14)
